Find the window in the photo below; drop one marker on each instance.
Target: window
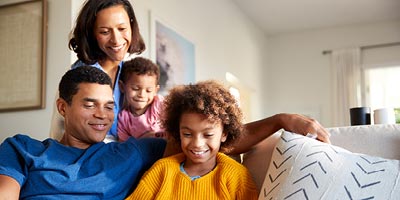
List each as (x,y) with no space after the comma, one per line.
(382,88)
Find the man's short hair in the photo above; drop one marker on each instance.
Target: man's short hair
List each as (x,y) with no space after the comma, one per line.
(68,86)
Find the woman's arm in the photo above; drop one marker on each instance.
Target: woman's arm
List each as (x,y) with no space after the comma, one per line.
(9,188)
(257,131)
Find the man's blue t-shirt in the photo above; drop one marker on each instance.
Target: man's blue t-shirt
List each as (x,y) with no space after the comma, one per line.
(49,170)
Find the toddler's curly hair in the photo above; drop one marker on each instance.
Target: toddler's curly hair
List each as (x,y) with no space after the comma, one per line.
(208,98)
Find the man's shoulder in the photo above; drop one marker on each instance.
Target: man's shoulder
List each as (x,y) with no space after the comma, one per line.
(148,149)
(23,139)
(147,142)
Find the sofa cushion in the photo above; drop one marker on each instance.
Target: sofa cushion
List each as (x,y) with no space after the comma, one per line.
(304,168)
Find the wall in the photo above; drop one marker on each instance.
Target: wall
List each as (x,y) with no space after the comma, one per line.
(283,73)
(225,41)
(37,122)
(298,75)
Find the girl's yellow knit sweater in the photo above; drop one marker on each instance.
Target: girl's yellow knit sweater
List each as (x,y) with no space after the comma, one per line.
(164,180)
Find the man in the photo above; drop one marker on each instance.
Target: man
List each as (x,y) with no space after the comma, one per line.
(80,165)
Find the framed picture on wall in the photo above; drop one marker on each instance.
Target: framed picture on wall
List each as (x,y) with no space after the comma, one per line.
(23,55)
(174,53)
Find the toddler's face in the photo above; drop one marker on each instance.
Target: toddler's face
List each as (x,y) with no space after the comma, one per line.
(140,91)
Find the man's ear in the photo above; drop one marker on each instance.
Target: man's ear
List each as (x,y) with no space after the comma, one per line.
(61,105)
(121,86)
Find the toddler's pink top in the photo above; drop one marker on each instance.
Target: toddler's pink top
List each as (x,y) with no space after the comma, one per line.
(136,126)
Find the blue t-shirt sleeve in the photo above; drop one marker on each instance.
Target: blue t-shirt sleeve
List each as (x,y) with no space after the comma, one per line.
(152,150)
(12,162)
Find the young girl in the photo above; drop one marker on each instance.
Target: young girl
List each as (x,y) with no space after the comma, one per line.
(140,116)
(204,118)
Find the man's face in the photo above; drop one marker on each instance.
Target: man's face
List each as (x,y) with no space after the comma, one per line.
(89,117)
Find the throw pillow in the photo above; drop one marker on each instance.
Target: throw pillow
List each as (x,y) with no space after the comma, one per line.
(304,168)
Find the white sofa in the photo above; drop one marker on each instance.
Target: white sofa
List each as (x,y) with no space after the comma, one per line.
(375,140)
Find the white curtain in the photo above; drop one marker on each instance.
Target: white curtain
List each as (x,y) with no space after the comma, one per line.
(346,81)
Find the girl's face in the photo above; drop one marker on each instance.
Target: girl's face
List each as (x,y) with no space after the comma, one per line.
(200,139)
(113,32)
(139,91)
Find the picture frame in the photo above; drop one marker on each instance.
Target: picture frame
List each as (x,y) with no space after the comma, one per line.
(23,55)
(173,52)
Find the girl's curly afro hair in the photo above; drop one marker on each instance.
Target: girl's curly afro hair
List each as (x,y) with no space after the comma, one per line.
(209,98)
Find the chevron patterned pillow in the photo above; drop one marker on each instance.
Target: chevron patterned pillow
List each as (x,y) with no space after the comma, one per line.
(304,168)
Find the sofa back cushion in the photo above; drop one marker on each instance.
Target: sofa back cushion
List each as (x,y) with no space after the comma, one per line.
(381,140)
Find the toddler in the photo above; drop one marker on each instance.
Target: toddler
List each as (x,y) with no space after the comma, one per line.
(140,116)
(203,118)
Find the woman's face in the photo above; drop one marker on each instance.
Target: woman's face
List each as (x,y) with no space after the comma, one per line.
(113,32)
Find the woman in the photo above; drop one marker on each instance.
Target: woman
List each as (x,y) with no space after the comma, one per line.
(106,30)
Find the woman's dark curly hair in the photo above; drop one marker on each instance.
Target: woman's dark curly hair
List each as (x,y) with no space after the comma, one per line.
(209,98)
(83,41)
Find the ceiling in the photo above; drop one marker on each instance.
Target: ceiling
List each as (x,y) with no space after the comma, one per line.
(282,16)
